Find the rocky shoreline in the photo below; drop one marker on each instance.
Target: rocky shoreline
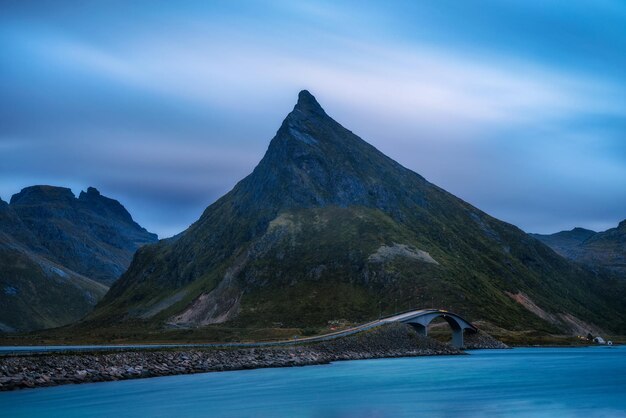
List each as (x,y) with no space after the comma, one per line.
(393,340)
(481,340)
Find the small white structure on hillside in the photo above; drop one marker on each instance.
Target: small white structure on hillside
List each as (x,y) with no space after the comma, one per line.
(599,340)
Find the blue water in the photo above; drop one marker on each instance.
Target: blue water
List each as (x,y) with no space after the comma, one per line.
(534,382)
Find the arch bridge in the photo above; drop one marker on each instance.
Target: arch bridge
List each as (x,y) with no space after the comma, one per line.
(418,319)
(422,318)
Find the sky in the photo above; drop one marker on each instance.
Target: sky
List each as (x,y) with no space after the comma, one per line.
(516,107)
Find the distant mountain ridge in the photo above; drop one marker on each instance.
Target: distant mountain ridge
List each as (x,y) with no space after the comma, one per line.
(92,234)
(326,227)
(605,249)
(59,253)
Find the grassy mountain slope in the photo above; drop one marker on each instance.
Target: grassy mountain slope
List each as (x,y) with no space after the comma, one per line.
(326,227)
(36,293)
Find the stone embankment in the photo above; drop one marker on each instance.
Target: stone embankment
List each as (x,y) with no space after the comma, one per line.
(481,340)
(30,371)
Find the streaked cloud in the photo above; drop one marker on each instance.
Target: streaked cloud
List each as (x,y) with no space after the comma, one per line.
(155,103)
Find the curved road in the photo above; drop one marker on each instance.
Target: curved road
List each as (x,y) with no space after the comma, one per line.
(402,317)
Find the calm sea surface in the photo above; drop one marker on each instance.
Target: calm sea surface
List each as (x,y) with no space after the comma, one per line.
(534,382)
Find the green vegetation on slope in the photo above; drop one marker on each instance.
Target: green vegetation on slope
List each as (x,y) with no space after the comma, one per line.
(35,293)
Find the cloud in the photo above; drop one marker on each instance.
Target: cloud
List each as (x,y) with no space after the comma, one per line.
(167,107)
(406,81)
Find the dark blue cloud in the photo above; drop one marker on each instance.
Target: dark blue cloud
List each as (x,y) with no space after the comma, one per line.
(517,107)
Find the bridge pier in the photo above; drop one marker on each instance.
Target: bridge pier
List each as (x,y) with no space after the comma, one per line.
(457,334)
(457,338)
(420,320)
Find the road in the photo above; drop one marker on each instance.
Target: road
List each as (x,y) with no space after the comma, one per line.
(10,350)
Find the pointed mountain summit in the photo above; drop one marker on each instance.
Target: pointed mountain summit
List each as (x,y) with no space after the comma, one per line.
(314,161)
(308,104)
(327,227)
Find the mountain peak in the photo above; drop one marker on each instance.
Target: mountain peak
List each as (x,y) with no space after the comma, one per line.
(92,194)
(580,230)
(313,161)
(308,104)
(42,193)
(93,191)
(104,206)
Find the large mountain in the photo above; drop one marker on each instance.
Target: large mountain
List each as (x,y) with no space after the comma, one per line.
(596,249)
(327,227)
(58,253)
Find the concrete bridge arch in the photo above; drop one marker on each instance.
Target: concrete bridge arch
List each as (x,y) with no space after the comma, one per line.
(421,319)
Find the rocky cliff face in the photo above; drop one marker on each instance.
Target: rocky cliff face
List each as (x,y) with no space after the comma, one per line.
(58,254)
(327,227)
(595,249)
(92,234)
